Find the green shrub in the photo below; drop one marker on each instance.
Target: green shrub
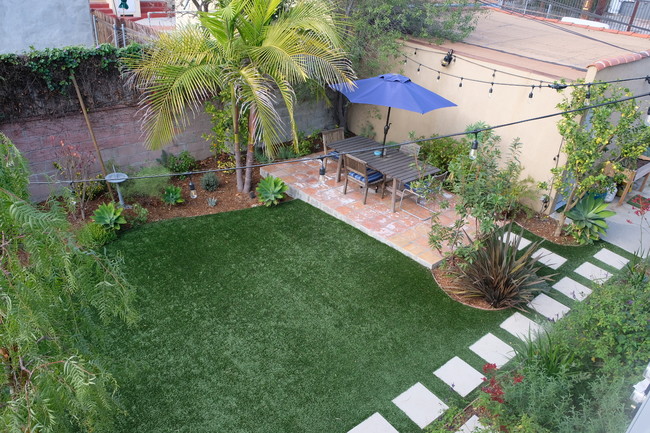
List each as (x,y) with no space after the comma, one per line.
(500,274)
(182,163)
(286,152)
(262,158)
(609,329)
(172,195)
(109,216)
(210,181)
(545,352)
(588,219)
(441,152)
(149,187)
(137,215)
(93,235)
(271,190)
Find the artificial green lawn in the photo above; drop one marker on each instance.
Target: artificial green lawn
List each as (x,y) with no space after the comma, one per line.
(279,320)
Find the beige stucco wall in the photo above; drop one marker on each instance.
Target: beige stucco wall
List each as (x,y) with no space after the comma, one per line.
(639,68)
(506,104)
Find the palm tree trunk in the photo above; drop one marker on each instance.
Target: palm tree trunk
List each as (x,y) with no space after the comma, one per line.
(250,151)
(236,143)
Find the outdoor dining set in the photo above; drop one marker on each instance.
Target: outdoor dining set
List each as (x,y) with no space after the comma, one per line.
(368,163)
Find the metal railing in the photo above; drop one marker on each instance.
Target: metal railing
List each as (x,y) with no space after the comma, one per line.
(631,16)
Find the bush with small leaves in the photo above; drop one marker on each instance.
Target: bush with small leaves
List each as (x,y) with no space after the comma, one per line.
(149,186)
(93,235)
(109,216)
(271,190)
(172,195)
(210,182)
(137,215)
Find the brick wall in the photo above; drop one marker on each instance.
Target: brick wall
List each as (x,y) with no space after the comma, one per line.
(119,137)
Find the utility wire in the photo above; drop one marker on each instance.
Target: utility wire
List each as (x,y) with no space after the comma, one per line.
(378,147)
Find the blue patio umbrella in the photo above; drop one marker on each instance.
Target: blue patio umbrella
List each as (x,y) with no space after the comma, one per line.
(392,90)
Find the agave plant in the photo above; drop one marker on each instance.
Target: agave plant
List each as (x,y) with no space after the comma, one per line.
(109,216)
(501,274)
(271,190)
(588,219)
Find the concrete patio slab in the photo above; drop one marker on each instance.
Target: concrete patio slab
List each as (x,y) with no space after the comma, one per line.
(548,307)
(471,425)
(523,243)
(420,404)
(374,424)
(493,350)
(521,326)
(549,258)
(572,289)
(611,258)
(460,376)
(593,272)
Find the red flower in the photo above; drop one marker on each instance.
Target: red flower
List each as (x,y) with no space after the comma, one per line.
(489,368)
(518,378)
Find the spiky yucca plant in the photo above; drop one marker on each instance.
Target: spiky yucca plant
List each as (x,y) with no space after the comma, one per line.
(501,274)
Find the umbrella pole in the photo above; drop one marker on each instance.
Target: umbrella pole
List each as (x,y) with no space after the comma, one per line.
(386,128)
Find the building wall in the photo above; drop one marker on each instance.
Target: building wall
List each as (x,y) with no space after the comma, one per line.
(541,140)
(118,134)
(639,68)
(44,24)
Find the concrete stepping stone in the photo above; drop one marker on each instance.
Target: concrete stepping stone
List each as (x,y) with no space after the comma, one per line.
(572,289)
(548,307)
(420,404)
(549,258)
(521,327)
(374,424)
(493,350)
(611,258)
(523,243)
(593,272)
(460,376)
(471,425)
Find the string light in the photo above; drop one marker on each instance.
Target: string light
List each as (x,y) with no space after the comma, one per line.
(491,89)
(193,193)
(415,53)
(438,76)
(321,171)
(588,95)
(461,82)
(419,66)
(532,89)
(378,147)
(474,150)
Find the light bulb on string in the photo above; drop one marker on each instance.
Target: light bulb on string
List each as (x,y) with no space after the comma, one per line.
(474,150)
(438,78)
(461,82)
(419,66)
(193,193)
(415,53)
(530,95)
(588,94)
(321,171)
(491,90)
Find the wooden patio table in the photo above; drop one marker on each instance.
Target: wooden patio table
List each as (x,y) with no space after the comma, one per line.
(402,168)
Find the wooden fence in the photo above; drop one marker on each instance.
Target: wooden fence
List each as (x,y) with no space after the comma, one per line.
(119,32)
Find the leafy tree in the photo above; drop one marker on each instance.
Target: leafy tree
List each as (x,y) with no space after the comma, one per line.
(251,49)
(54,299)
(612,132)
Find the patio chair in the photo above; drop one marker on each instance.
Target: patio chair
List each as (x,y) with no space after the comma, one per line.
(410,189)
(357,171)
(330,136)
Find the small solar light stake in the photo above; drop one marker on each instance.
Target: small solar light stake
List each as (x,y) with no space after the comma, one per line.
(474,150)
(321,171)
(193,193)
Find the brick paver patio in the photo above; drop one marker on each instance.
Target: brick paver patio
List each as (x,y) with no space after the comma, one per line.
(406,233)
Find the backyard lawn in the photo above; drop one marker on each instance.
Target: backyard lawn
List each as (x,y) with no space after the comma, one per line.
(279,320)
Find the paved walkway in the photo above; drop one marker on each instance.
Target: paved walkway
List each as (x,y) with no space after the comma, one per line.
(406,233)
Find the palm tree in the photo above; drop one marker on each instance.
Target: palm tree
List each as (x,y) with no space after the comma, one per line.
(253,50)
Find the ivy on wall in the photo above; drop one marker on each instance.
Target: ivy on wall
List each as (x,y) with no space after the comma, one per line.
(38,83)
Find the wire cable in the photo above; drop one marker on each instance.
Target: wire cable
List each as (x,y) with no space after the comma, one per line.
(378,147)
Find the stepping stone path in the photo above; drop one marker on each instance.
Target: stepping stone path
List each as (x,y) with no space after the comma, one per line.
(521,327)
(611,258)
(493,350)
(593,272)
(549,258)
(375,424)
(460,376)
(548,307)
(423,407)
(420,404)
(471,425)
(572,289)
